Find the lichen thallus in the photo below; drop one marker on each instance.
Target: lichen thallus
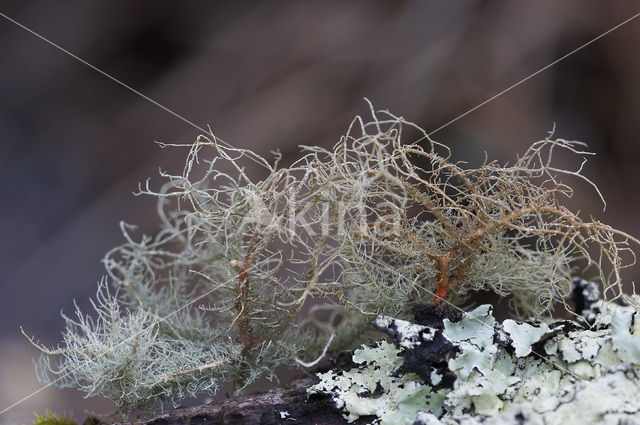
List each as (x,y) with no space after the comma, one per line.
(253,252)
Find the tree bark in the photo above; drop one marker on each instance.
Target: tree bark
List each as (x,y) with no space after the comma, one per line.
(282,406)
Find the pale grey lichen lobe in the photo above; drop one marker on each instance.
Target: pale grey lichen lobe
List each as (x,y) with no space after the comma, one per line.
(503,373)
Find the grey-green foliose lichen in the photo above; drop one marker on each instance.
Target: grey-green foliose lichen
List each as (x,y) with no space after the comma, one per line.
(475,370)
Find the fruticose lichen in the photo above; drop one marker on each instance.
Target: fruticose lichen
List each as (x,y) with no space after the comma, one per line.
(585,372)
(371,227)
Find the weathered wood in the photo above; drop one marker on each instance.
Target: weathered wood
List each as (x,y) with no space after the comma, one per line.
(264,408)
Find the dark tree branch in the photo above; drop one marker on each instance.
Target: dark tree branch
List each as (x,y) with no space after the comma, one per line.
(262,408)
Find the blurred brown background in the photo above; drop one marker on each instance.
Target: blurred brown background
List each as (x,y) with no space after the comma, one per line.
(266,75)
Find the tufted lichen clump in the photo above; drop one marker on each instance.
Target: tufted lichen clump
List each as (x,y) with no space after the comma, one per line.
(369,226)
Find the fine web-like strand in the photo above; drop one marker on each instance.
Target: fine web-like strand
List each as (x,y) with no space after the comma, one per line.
(117,81)
(371,225)
(528,77)
(15,22)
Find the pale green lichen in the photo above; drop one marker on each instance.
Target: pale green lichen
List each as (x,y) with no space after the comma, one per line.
(524,335)
(412,334)
(476,327)
(370,226)
(577,376)
(355,390)
(624,330)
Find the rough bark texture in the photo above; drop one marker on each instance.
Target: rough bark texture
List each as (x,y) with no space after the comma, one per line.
(263,408)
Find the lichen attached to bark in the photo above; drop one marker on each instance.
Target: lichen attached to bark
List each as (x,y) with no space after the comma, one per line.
(499,373)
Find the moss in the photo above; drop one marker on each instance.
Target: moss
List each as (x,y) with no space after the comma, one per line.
(50,419)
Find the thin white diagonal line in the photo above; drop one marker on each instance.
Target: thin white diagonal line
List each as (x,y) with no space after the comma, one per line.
(109,76)
(208,132)
(198,298)
(535,73)
(128,87)
(163,108)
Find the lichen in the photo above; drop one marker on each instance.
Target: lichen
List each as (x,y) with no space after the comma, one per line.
(358,390)
(504,373)
(524,335)
(370,226)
